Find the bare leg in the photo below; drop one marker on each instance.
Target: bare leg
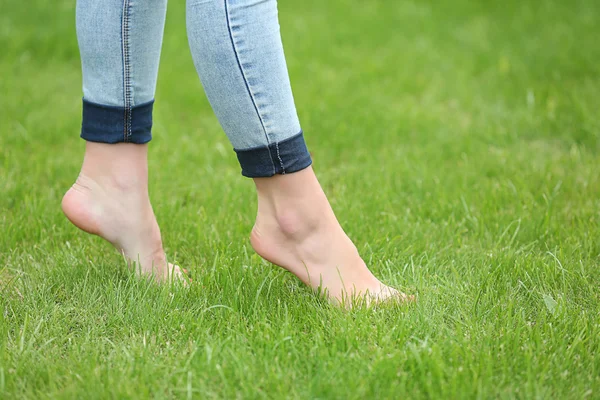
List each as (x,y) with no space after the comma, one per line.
(297,229)
(119,43)
(237,50)
(110,199)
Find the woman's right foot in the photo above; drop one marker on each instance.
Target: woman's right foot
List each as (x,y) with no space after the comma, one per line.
(110,199)
(296,229)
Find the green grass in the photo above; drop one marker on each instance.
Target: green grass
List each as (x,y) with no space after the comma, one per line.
(459,143)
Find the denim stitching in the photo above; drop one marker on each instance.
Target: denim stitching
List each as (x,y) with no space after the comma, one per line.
(126,71)
(237,58)
(279,157)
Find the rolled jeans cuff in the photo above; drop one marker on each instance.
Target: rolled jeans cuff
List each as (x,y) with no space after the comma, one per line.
(287,156)
(111,124)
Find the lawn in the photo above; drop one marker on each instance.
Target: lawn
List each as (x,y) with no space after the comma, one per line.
(459,143)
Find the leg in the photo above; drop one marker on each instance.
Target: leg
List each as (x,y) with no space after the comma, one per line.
(120,43)
(238,53)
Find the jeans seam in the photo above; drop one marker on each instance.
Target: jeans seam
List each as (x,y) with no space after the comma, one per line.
(279,157)
(126,71)
(237,58)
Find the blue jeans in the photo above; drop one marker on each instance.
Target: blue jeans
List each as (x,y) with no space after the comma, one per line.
(237,51)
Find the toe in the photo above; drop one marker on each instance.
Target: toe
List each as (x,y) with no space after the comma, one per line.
(388,294)
(178,274)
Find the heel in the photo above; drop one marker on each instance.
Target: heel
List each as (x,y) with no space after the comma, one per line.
(76,205)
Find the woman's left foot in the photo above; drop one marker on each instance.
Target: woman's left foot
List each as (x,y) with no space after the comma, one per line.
(296,229)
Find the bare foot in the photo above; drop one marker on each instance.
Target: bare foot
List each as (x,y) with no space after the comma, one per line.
(110,199)
(296,229)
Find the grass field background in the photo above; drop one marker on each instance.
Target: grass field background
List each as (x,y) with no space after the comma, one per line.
(459,145)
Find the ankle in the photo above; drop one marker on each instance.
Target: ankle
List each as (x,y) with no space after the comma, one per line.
(293,204)
(295,219)
(124,184)
(291,223)
(121,166)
